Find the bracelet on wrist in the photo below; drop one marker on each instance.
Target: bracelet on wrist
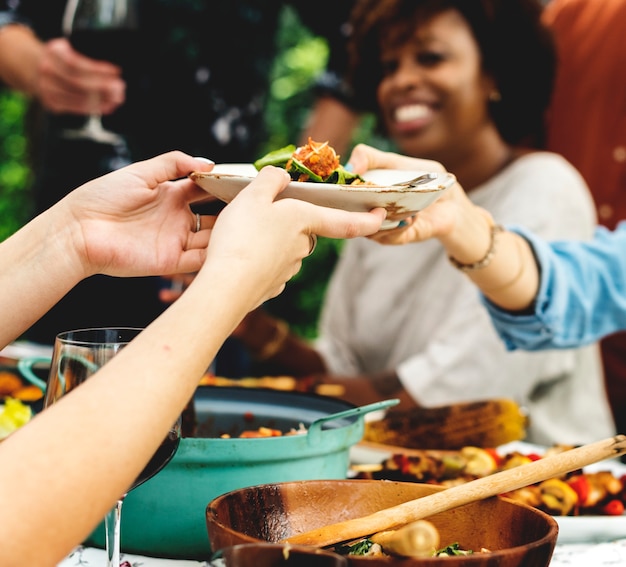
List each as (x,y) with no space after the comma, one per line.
(486,259)
(518,275)
(271,347)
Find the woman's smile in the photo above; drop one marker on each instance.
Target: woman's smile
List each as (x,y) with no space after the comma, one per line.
(411,116)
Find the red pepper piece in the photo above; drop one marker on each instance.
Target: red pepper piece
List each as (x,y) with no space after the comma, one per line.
(581,486)
(495,456)
(402,462)
(613,508)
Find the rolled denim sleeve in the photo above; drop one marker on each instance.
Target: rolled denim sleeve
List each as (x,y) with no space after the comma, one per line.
(581,297)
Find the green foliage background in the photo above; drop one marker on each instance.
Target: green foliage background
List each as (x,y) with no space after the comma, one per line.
(14,171)
(300,58)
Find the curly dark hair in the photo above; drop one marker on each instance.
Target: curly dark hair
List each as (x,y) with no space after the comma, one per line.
(517,51)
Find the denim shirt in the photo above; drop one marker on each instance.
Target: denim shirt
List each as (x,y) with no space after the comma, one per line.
(582,293)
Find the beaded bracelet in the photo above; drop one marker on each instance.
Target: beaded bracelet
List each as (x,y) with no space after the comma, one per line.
(486,259)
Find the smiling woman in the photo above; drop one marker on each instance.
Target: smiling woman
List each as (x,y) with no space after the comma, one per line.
(448,80)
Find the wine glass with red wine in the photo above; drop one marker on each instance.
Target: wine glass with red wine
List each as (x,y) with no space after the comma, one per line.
(76,356)
(100,29)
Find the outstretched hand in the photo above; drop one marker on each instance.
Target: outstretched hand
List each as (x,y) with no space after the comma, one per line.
(136,221)
(435,221)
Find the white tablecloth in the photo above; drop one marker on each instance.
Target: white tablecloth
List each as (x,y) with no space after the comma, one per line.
(606,554)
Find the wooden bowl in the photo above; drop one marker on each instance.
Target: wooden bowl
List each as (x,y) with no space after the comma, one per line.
(517,535)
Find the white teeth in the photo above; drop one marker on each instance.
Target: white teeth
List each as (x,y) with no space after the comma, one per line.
(412,112)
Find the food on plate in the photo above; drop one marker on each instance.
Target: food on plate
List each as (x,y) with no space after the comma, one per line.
(483,423)
(315,162)
(574,494)
(13,415)
(599,493)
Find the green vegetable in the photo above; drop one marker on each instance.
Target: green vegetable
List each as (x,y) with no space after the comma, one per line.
(280,157)
(359,548)
(297,167)
(452,550)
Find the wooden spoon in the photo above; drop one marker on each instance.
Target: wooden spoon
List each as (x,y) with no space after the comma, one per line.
(492,485)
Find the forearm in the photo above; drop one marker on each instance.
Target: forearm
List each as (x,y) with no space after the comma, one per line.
(500,263)
(20,52)
(38,266)
(159,370)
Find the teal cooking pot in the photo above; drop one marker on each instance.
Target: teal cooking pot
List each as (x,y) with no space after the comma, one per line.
(165,516)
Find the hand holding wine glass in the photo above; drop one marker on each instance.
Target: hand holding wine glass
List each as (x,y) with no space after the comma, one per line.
(103,30)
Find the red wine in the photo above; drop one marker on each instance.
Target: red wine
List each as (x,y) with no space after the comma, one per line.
(114,45)
(161,457)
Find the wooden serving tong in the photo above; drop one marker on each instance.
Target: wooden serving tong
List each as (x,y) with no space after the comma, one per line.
(492,485)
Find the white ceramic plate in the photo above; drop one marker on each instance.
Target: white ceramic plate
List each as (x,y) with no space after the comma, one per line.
(226,180)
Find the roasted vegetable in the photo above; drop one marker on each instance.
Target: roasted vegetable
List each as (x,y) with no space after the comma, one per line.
(417,539)
(557,497)
(577,493)
(13,416)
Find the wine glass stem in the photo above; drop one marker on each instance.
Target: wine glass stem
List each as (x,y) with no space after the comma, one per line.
(112,527)
(94,123)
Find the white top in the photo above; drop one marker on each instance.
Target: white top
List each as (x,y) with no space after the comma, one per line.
(406,308)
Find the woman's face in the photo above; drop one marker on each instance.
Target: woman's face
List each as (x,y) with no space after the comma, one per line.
(433,96)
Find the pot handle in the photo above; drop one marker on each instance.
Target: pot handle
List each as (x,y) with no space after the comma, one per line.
(25,367)
(316,427)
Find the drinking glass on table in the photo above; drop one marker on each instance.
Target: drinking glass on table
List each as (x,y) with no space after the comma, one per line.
(76,356)
(100,29)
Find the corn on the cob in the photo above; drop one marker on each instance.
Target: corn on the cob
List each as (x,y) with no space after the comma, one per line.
(485,423)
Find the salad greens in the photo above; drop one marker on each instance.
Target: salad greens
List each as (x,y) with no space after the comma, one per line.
(452,550)
(358,548)
(363,546)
